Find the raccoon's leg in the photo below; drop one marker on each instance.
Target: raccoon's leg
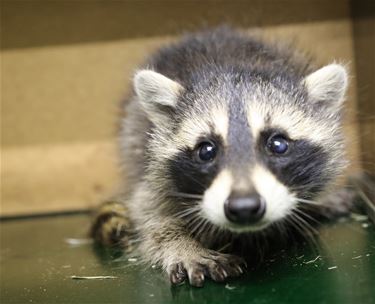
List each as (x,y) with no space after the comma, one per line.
(111,225)
(336,204)
(339,203)
(165,243)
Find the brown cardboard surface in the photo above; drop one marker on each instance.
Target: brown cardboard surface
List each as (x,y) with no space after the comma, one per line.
(50,178)
(364,43)
(67,93)
(30,23)
(60,106)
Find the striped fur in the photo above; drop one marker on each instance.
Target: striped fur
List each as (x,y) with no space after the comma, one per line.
(236,91)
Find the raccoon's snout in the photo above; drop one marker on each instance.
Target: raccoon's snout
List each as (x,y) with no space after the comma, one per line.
(245,210)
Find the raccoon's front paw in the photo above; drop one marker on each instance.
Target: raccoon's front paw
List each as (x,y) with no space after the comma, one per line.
(214,265)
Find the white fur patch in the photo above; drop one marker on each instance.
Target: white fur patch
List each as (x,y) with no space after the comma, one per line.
(256,122)
(155,90)
(152,87)
(200,126)
(328,84)
(221,122)
(292,120)
(215,197)
(278,199)
(191,130)
(279,202)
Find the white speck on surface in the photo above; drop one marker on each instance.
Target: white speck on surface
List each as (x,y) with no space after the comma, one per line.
(356,257)
(332,267)
(153,266)
(74,277)
(132,260)
(151,294)
(358,217)
(78,242)
(365,225)
(227,286)
(368,255)
(314,260)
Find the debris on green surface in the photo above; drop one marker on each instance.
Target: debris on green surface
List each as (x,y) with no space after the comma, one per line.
(332,267)
(365,225)
(78,242)
(39,269)
(74,277)
(314,260)
(358,217)
(227,286)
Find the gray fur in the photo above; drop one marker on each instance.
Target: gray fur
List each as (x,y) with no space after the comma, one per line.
(217,71)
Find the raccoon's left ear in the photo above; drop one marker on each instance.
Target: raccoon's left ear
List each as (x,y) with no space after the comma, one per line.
(156,94)
(327,86)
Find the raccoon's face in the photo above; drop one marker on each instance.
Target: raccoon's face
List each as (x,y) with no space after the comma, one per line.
(248,151)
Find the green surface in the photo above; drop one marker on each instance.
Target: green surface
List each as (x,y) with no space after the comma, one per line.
(37,264)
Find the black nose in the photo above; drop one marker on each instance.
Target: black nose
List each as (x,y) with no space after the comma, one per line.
(245,210)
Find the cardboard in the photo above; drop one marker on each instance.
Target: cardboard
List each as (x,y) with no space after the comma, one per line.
(66,66)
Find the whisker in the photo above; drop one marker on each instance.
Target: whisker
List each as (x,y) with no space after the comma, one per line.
(185,195)
(323,246)
(301,212)
(200,223)
(192,223)
(309,202)
(186,216)
(302,220)
(306,231)
(203,228)
(186,212)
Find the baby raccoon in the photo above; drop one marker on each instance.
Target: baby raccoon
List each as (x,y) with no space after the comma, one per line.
(225,137)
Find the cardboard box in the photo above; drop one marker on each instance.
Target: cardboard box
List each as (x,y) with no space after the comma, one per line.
(66,65)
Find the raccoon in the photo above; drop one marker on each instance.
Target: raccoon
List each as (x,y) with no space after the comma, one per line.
(226,136)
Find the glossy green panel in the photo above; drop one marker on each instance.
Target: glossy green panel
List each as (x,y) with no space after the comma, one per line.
(37,264)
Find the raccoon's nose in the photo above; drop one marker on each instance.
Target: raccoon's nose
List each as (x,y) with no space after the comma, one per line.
(245,210)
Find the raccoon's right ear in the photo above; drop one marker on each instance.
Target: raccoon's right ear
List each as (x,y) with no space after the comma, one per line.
(327,86)
(157,94)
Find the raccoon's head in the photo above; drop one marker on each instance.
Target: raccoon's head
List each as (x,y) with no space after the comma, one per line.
(246,149)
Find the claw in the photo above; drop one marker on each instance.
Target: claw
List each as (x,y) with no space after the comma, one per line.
(177,274)
(196,277)
(216,266)
(239,269)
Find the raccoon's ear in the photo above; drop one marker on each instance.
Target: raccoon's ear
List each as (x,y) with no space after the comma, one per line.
(157,94)
(327,86)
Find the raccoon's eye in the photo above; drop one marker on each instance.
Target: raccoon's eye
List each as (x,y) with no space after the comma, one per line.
(206,151)
(277,144)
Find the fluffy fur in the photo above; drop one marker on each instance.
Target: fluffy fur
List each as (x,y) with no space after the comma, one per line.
(237,91)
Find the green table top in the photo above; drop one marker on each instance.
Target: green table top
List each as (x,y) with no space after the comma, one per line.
(37,265)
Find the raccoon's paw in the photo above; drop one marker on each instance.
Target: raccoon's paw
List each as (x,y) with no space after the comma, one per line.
(214,265)
(111,226)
